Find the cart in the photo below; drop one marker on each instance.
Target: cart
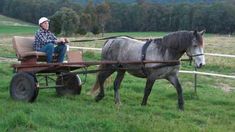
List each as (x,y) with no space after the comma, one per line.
(25,84)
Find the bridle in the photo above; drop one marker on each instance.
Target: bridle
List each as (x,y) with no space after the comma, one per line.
(191,57)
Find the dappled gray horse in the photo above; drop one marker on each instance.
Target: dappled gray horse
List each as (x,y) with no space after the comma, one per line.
(170,47)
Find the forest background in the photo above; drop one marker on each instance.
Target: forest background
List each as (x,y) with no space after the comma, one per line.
(69,17)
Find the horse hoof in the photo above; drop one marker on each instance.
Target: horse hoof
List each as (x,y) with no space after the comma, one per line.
(143,104)
(98,98)
(118,103)
(181,109)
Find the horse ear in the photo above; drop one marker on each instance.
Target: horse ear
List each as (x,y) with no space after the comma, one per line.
(202,32)
(195,32)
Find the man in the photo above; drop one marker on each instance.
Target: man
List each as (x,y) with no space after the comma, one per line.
(45,41)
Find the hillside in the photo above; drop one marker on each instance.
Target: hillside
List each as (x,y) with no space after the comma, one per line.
(7,21)
(11,27)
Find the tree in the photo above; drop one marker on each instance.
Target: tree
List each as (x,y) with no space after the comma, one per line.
(55,23)
(200,17)
(66,20)
(140,2)
(215,17)
(89,17)
(103,14)
(85,23)
(2,5)
(117,22)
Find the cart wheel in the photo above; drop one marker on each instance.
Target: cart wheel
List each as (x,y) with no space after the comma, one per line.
(23,87)
(71,84)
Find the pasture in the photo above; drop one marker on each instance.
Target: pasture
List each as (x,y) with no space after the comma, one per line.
(211,109)
(11,26)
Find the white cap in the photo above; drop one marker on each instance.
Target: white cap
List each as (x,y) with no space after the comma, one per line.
(42,20)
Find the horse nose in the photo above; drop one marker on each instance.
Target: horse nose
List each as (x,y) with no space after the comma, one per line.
(200,65)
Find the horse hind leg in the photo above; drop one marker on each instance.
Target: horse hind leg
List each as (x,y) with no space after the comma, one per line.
(101,77)
(117,83)
(175,82)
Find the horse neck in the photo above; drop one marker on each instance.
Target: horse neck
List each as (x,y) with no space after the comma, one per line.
(174,54)
(177,44)
(166,53)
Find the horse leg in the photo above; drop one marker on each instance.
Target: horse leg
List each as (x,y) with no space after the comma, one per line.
(101,77)
(117,83)
(147,90)
(175,82)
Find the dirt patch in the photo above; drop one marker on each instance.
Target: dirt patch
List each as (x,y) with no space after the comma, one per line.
(3,59)
(226,87)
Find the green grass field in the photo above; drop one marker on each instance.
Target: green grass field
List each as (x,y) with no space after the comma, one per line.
(16,30)
(210,110)
(9,27)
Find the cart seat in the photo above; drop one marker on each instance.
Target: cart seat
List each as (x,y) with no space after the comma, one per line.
(25,53)
(74,56)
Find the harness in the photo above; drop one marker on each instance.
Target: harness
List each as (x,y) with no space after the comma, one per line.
(144,49)
(191,57)
(143,55)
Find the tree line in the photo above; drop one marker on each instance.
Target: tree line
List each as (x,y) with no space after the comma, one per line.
(69,17)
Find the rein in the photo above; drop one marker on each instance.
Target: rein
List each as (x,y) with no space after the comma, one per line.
(191,56)
(87,40)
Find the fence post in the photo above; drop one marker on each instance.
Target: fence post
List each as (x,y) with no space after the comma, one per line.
(195,81)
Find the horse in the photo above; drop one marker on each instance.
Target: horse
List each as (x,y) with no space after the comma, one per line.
(127,49)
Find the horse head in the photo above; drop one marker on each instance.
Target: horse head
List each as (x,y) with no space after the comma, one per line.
(195,50)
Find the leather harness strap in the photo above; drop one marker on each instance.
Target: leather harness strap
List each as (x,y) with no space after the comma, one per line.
(143,55)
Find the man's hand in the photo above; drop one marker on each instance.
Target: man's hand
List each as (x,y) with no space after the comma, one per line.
(62,40)
(66,40)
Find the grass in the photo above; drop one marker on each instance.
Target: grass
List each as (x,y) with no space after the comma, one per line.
(211,109)
(7,21)
(11,27)
(16,30)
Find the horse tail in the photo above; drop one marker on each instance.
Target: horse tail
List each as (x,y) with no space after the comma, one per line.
(95,87)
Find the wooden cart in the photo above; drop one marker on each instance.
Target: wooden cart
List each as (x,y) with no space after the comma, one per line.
(25,84)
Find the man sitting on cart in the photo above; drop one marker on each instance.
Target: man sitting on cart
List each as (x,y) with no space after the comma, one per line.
(46,40)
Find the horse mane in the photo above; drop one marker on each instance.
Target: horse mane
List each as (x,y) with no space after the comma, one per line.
(175,41)
(178,40)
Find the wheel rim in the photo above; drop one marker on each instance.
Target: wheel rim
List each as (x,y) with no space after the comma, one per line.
(71,84)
